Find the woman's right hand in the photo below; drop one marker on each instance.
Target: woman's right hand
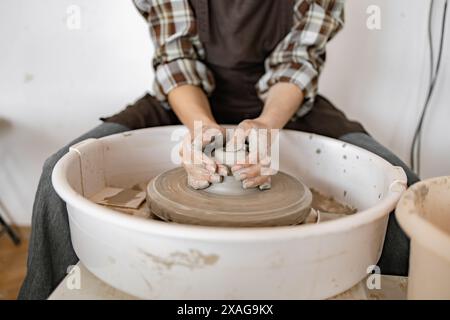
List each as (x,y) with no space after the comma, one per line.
(201,169)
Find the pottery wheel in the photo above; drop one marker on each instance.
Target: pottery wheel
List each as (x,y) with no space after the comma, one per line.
(170,198)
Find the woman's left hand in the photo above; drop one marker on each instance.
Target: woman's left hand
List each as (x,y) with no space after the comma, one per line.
(256,170)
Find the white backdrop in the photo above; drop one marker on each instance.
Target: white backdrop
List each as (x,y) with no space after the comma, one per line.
(55,82)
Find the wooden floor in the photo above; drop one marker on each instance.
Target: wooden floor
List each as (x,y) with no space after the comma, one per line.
(12,264)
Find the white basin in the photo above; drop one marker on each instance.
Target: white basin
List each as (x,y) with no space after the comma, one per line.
(156,260)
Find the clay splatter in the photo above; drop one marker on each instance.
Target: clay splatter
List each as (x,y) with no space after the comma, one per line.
(420,195)
(192,259)
(28,77)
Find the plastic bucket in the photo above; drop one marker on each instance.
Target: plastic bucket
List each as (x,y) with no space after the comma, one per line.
(424,214)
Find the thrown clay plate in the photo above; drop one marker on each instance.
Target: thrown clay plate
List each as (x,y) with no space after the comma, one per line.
(288,202)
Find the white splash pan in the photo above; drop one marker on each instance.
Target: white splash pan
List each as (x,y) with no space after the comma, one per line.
(156,260)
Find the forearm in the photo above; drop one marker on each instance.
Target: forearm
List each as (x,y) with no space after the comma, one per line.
(190,104)
(283,101)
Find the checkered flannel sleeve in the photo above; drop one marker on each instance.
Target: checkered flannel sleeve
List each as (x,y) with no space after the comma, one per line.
(178,50)
(300,56)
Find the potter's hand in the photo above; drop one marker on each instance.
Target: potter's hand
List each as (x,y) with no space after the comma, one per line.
(201,169)
(255,171)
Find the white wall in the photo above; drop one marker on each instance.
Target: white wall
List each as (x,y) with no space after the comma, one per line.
(381,78)
(56,82)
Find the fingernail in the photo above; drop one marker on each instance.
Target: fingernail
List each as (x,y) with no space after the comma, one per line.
(265,186)
(211,168)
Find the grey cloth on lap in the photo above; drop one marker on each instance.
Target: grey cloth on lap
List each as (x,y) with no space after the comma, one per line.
(50,251)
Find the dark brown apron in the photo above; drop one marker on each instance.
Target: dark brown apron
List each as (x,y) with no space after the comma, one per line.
(237,37)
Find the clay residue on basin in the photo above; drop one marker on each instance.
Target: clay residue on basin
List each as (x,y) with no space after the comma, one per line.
(321,202)
(420,196)
(329,204)
(192,259)
(123,196)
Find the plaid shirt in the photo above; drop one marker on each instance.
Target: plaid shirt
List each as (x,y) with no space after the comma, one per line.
(298,58)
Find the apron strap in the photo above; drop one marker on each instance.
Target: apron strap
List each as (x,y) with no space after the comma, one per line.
(288,14)
(202,16)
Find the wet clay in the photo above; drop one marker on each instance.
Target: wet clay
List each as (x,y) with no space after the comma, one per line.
(143,211)
(320,202)
(288,202)
(123,197)
(118,197)
(328,204)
